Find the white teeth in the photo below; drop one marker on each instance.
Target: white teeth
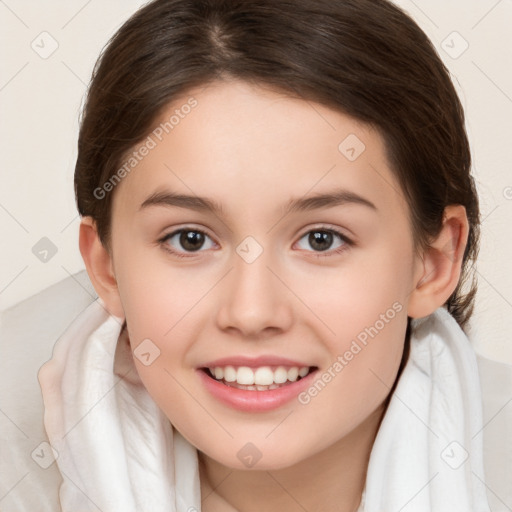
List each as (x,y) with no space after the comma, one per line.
(280,375)
(245,375)
(262,378)
(303,371)
(293,374)
(229,374)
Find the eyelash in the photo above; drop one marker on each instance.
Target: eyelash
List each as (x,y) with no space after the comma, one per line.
(319,254)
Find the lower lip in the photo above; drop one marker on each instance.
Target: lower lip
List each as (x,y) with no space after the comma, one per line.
(254,400)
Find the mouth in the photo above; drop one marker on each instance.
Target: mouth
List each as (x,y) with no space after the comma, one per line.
(256,385)
(261,378)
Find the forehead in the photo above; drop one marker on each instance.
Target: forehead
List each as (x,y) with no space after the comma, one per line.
(247,146)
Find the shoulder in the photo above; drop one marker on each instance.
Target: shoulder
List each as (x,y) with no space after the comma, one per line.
(496,386)
(29,477)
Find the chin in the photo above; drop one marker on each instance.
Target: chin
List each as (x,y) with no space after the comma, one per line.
(249,457)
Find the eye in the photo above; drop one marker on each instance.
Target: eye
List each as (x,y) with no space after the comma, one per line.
(321,240)
(191,240)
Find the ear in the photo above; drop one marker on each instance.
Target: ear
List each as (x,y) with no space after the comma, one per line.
(99,265)
(439,265)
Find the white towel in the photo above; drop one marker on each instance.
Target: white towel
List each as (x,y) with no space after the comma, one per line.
(117,451)
(428,453)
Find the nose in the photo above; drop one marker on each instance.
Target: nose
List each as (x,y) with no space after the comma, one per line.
(254,300)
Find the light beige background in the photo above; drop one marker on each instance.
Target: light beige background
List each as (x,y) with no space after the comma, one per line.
(41,94)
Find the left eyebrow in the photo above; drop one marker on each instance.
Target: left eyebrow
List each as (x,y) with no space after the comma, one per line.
(338,197)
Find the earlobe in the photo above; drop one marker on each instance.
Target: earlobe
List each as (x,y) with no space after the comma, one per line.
(98,263)
(439,268)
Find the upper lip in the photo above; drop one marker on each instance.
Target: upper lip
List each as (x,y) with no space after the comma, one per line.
(254,362)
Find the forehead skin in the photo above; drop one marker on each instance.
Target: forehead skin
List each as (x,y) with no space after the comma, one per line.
(252,149)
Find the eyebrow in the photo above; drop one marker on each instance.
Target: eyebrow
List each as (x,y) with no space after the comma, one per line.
(337,197)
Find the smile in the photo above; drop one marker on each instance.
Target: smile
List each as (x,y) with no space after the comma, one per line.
(263,378)
(255,385)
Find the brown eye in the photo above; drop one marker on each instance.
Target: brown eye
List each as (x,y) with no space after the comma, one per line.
(321,241)
(191,240)
(185,240)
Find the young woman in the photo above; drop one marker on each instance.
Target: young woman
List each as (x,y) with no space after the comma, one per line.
(279,219)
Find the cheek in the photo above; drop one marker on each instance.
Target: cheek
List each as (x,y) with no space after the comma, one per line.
(160,305)
(172,394)
(155,295)
(357,294)
(364,308)
(357,380)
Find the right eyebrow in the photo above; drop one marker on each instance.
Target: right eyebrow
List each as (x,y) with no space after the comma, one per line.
(168,198)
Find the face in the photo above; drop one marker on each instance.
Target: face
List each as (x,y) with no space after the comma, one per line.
(289,281)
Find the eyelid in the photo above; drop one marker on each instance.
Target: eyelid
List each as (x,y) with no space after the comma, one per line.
(186,227)
(325,226)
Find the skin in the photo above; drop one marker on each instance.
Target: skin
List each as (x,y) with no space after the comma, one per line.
(252,149)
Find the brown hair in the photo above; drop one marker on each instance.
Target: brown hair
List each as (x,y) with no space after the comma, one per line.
(364,58)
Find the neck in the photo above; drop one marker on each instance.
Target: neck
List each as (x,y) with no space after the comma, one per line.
(333,479)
